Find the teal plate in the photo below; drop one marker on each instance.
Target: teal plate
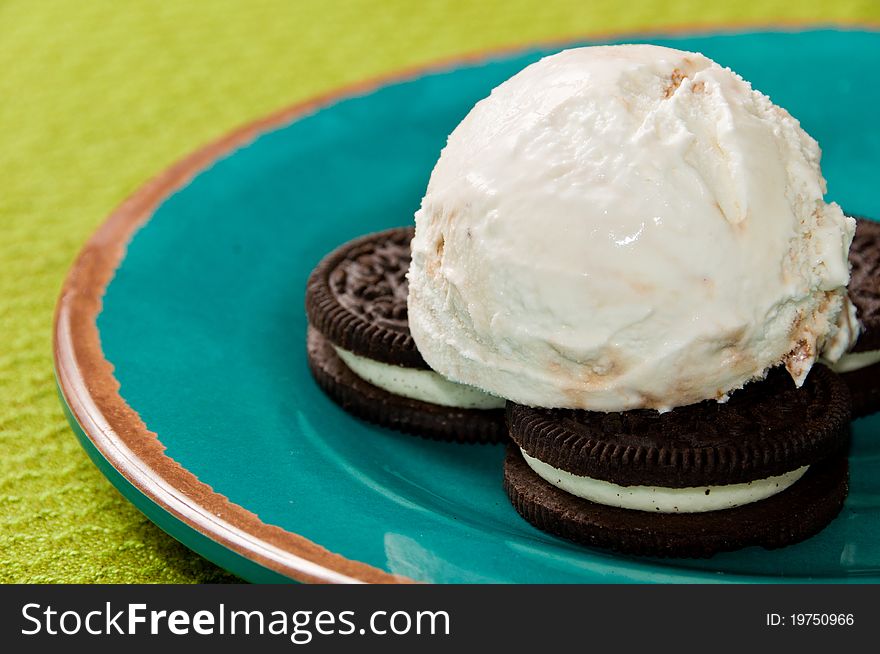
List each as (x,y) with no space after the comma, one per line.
(219,434)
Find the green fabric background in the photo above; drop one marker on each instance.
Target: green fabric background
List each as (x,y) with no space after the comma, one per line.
(97,96)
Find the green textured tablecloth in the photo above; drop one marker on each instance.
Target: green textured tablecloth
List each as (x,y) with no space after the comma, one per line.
(97,96)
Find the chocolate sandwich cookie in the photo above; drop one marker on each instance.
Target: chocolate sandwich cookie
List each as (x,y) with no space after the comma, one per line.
(860,368)
(362,355)
(766,468)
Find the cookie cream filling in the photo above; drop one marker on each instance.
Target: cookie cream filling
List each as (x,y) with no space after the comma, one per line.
(423,385)
(664,500)
(856,361)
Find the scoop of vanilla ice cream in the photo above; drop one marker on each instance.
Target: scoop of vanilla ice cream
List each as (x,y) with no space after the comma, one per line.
(629,226)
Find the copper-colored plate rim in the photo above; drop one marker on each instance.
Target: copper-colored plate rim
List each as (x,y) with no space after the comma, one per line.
(91,391)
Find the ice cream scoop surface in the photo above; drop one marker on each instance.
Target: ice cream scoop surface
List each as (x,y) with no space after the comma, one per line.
(621,227)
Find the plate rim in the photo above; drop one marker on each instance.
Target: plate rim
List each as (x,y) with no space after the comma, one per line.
(115,431)
(121,445)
